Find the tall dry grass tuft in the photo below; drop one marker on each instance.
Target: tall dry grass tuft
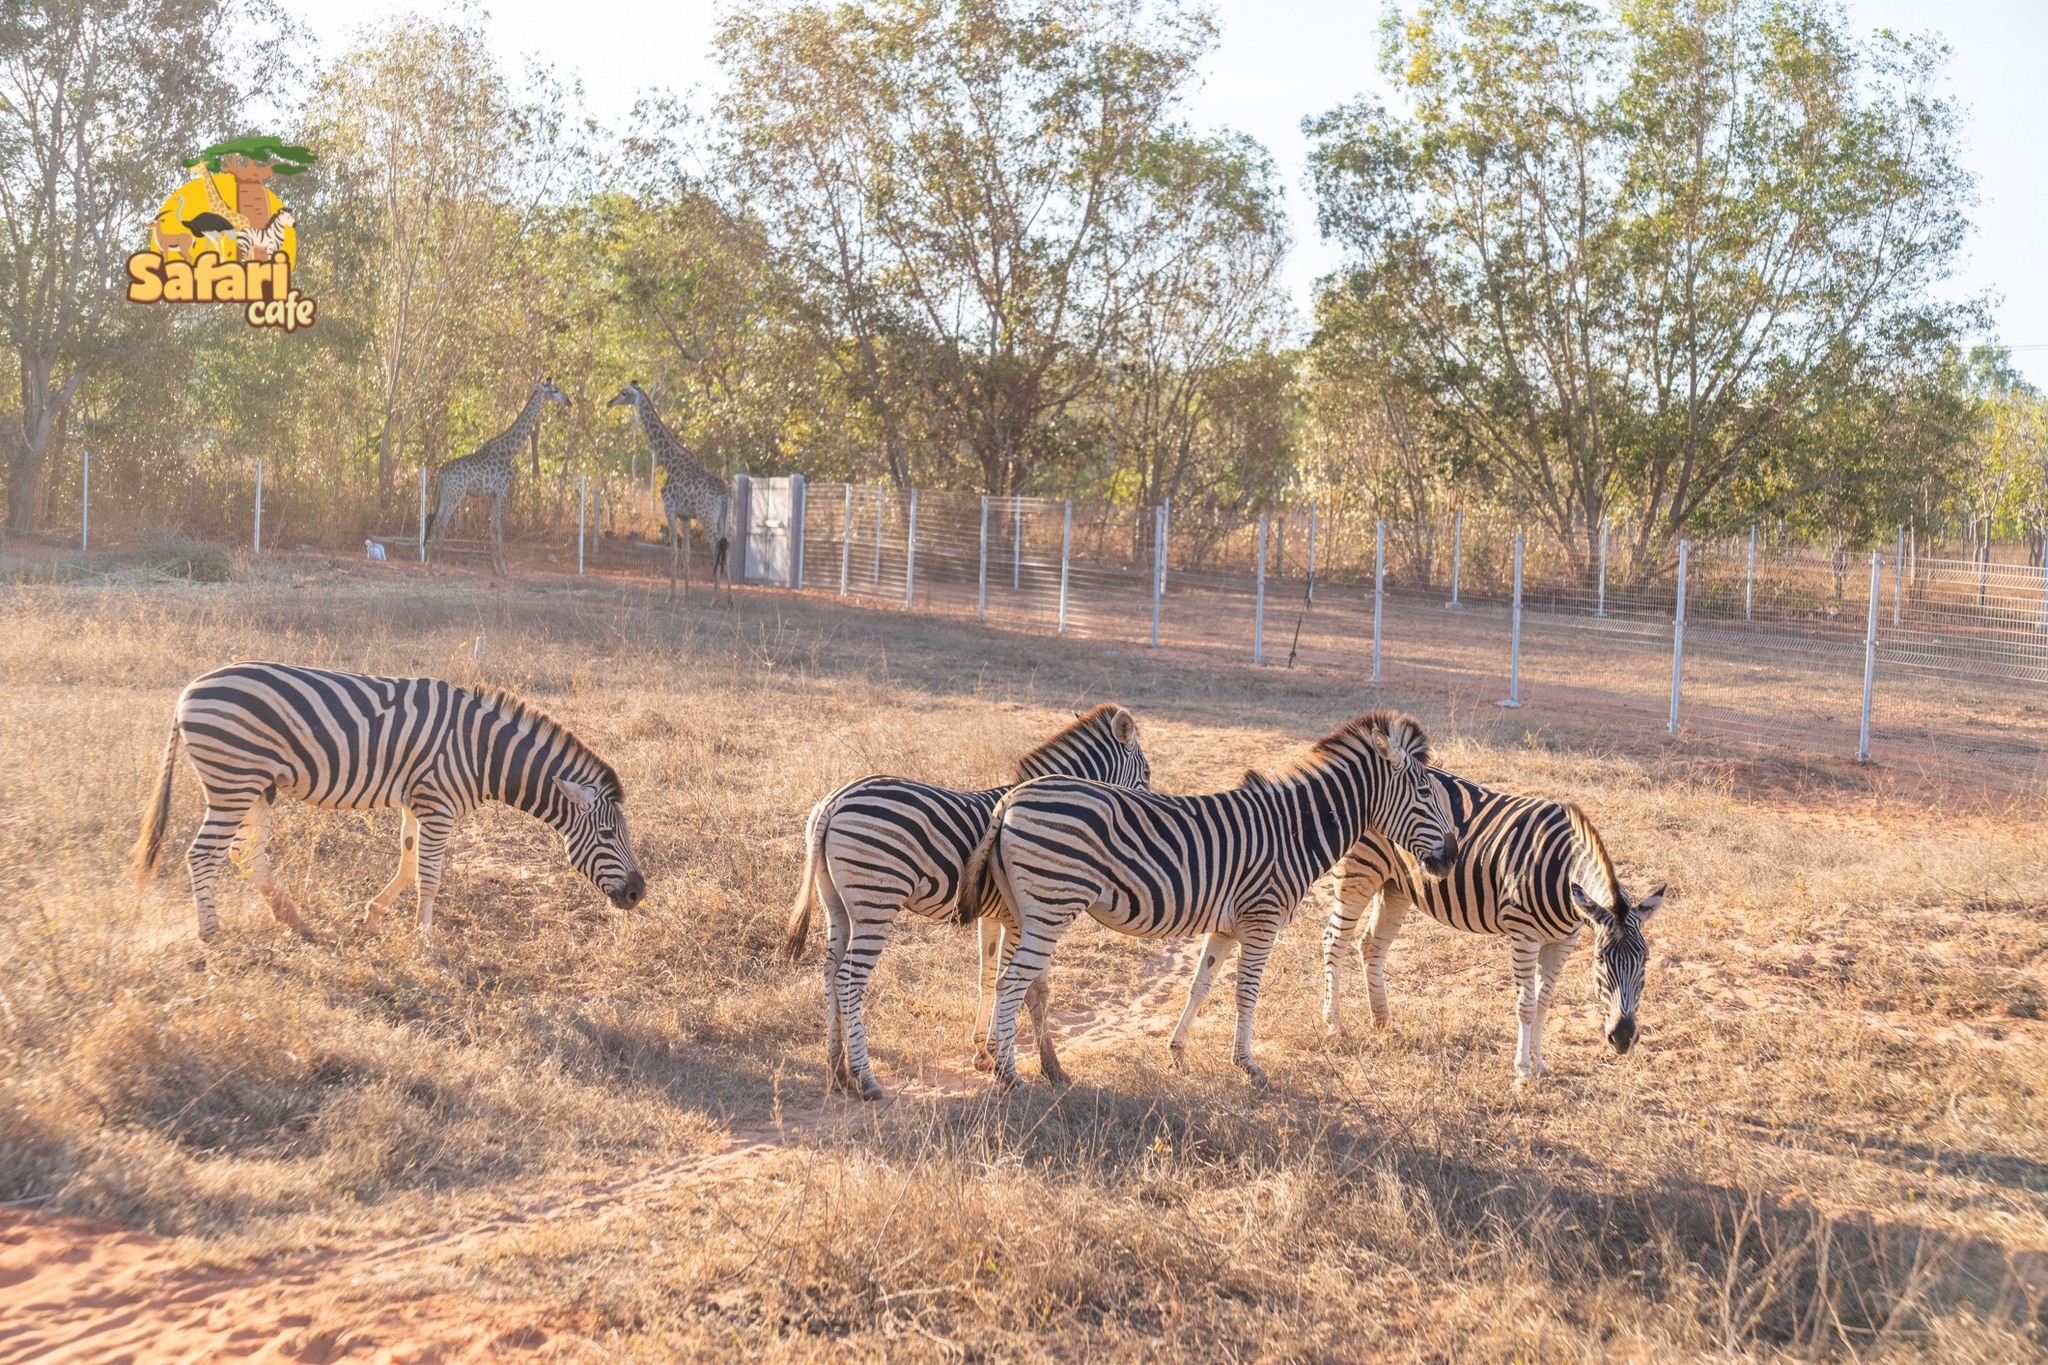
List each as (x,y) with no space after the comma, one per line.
(1831,1141)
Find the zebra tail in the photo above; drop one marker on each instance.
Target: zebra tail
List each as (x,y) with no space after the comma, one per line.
(806,886)
(149,843)
(975,876)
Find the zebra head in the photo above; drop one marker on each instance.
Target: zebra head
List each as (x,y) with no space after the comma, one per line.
(1101,745)
(593,821)
(1620,954)
(1410,807)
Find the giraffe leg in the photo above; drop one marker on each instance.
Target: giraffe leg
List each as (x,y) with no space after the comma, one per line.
(675,554)
(498,565)
(408,870)
(257,825)
(686,562)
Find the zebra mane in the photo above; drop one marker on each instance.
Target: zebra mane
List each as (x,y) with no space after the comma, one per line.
(1593,850)
(1097,719)
(1379,723)
(519,712)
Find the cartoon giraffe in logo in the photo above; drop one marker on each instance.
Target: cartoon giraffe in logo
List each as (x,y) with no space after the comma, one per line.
(689,493)
(487,472)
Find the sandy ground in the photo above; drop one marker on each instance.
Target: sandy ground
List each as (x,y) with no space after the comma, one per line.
(77,1290)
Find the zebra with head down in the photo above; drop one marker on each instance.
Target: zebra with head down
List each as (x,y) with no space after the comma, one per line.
(1531,870)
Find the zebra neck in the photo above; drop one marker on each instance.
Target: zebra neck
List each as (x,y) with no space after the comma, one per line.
(1335,814)
(517,763)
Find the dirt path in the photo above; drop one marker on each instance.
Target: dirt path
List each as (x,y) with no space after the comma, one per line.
(76,1290)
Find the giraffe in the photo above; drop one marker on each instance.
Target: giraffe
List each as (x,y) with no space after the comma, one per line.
(487,470)
(689,493)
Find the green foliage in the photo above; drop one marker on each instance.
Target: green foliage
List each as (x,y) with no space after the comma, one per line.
(283,157)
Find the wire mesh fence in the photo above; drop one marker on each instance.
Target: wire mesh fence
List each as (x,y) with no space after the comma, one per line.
(1778,643)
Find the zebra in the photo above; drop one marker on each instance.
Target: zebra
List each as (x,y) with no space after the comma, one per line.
(349,741)
(1233,865)
(886,844)
(1533,870)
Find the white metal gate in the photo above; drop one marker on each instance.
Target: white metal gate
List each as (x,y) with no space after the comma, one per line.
(771,548)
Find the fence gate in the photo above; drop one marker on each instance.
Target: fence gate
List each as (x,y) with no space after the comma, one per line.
(771,545)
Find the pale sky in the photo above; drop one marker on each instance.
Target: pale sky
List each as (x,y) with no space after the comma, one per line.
(1279,60)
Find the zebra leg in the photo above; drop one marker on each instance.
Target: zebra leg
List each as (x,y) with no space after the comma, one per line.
(1550,960)
(1214,947)
(224,815)
(1340,932)
(257,825)
(434,828)
(1526,953)
(1035,1000)
(1254,942)
(1390,907)
(408,871)
(992,938)
(856,968)
(837,926)
(1041,927)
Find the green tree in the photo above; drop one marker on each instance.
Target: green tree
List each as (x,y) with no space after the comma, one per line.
(99,102)
(1625,252)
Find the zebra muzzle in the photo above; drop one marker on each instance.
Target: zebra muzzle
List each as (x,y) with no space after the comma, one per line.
(631,893)
(1621,1032)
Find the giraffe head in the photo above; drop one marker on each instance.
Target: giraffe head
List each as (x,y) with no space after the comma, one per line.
(1619,955)
(632,396)
(548,390)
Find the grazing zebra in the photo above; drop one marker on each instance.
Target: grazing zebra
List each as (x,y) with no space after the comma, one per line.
(347,741)
(1531,869)
(887,844)
(1233,865)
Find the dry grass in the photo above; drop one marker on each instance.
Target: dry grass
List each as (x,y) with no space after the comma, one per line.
(1833,1139)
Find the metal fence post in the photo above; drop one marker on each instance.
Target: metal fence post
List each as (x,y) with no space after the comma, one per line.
(981,590)
(909,557)
(582,507)
(1984,564)
(878,536)
(1678,638)
(846,544)
(799,496)
(1158,565)
(1379,590)
(1749,585)
(1066,554)
(1259,602)
(1514,698)
(1869,658)
(1600,606)
(257,543)
(2044,583)
(84,500)
(423,514)
(1017,541)
(1457,555)
(1899,583)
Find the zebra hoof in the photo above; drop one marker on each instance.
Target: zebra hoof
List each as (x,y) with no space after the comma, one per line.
(984,1060)
(1054,1073)
(869,1089)
(1179,1053)
(1256,1074)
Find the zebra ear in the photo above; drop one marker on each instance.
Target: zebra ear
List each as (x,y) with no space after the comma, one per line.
(582,795)
(1406,739)
(1124,727)
(1592,909)
(1649,904)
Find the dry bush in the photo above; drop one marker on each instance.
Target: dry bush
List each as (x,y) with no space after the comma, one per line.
(1832,1140)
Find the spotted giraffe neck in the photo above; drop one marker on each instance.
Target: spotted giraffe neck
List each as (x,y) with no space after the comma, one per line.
(528,416)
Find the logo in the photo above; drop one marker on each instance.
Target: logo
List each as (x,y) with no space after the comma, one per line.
(225,237)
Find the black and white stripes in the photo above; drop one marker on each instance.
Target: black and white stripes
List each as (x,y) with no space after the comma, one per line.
(887,844)
(1232,865)
(1533,870)
(348,741)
